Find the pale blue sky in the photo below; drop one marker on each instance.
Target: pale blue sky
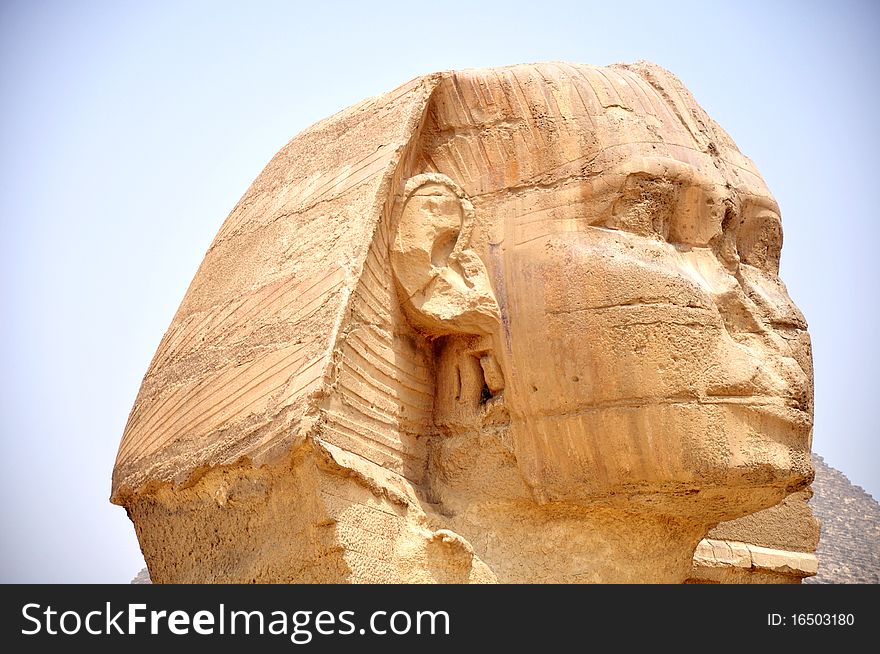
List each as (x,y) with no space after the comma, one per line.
(130,129)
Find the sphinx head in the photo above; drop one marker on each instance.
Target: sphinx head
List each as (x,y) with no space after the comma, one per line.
(543,295)
(596,262)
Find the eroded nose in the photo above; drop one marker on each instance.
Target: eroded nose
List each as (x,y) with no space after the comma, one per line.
(786,332)
(738,312)
(772,354)
(771,297)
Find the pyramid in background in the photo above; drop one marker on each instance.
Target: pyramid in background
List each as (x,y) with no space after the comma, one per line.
(849,545)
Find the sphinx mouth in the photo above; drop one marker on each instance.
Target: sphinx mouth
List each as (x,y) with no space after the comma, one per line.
(787,408)
(770,402)
(790,410)
(789,401)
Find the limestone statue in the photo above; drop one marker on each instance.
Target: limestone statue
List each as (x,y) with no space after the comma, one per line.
(520,324)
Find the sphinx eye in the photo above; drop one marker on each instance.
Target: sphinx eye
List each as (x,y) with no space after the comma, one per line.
(644,206)
(759,240)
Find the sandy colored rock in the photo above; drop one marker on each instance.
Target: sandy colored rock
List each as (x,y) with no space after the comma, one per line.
(788,529)
(731,562)
(520,325)
(789,525)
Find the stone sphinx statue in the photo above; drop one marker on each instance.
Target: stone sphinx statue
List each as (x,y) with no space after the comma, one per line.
(518,325)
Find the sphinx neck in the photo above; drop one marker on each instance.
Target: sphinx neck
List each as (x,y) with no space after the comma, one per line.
(530,543)
(479,493)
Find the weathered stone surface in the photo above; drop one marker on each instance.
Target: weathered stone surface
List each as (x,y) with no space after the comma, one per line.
(849,551)
(519,324)
(788,529)
(789,525)
(731,562)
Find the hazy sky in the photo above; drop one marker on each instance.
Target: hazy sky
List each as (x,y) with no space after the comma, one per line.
(130,129)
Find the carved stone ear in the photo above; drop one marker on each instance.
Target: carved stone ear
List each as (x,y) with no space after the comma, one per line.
(444,282)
